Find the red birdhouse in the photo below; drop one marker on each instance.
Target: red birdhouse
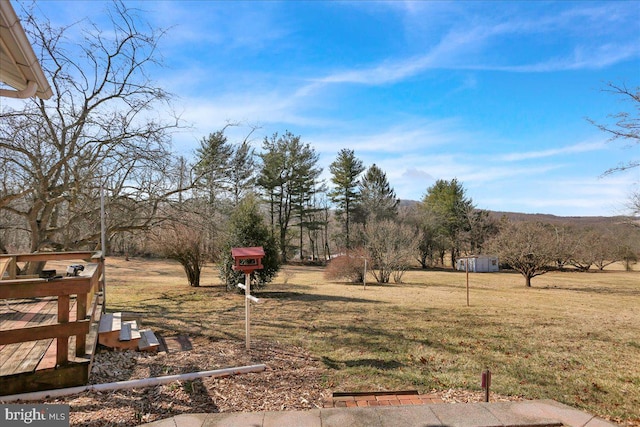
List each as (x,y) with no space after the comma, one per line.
(247,260)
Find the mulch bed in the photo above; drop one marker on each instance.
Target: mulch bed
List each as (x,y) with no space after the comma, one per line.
(292,381)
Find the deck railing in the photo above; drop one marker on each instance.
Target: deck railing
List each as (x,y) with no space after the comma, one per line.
(85,287)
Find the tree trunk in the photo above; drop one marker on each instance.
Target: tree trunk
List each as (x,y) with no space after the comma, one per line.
(453,257)
(527,281)
(193,273)
(423,261)
(301,235)
(346,223)
(283,244)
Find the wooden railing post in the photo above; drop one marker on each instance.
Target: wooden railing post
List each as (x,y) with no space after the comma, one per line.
(82,304)
(84,288)
(12,269)
(62,354)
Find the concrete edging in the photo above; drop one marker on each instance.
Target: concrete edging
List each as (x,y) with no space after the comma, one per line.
(528,413)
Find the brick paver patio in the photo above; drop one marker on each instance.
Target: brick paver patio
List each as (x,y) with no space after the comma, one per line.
(381,399)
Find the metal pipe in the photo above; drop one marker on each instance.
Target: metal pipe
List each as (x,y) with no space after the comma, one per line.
(145,382)
(103,246)
(25,93)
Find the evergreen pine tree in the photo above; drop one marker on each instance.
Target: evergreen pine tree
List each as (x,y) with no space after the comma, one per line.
(345,170)
(287,177)
(378,201)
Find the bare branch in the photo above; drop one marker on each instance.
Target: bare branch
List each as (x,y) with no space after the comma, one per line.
(625,125)
(95,130)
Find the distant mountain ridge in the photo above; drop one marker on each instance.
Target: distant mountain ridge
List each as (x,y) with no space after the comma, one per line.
(562,220)
(549,218)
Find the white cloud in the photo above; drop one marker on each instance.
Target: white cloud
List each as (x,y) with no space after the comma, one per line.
(581,147)
(467,44)
(582,58)
(214,26)
(261,108)
(561,195)
(387,72)
(414,174)
(410,136)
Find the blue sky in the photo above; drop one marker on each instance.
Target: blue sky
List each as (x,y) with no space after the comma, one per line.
(494,94)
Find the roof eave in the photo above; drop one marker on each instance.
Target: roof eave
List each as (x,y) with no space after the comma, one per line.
(16,45)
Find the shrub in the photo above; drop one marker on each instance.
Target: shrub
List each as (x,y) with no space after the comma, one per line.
(246,229)
(348,267)
(183,243)
(389,246)
(398,272)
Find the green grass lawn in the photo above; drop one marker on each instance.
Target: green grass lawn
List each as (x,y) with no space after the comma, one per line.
(573,337)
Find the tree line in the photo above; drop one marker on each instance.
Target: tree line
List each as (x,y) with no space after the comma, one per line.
(533,248)
(107,130)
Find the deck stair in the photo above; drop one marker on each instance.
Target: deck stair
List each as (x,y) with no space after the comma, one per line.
(116,331)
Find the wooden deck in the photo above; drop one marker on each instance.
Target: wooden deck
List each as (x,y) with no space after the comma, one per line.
(48,327)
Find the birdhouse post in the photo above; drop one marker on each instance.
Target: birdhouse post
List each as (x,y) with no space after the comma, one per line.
(247,260)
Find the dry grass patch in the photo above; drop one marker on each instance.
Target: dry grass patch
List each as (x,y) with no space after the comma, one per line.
(573,337)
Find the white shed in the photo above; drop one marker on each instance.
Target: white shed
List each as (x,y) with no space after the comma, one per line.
(478,263)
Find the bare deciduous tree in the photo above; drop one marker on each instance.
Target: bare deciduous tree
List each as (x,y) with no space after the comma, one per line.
(607,251)
(588,246)
(102,126)
(624,126)
(626,239)
(564,245)
(184,241)
(634,205)
(528,247)
(389,245)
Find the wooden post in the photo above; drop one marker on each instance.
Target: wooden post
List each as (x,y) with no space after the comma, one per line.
(247,309)
(82,300)
(62,349)
(486,383)
(467,270)
(247,260)
(364,276)
(13,268)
